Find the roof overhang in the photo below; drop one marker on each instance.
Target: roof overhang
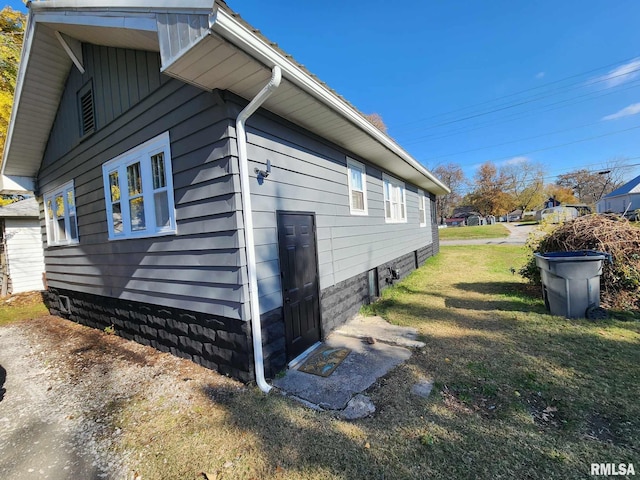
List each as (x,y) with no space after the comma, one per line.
(200,43)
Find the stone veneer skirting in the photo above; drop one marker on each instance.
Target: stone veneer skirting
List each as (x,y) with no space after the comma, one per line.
(218,343)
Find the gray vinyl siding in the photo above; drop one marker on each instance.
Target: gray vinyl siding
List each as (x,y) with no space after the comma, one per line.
(202,268)
(310,175)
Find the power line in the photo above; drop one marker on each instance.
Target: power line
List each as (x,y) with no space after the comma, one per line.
(517,116)
(628,60)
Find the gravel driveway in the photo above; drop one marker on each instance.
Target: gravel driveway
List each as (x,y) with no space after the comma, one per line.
(46,430)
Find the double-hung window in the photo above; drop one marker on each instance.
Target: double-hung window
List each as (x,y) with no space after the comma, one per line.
(138,189)
(395,204)
(422,208)
(60,214)
(357,179)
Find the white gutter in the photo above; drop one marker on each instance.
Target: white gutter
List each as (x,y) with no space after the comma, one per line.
(230,28)
(241,138)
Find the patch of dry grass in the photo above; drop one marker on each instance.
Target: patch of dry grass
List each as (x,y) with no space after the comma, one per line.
(22,306)
(517,394)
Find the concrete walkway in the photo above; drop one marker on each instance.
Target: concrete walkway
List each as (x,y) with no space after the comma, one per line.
(376,347)
(518,235)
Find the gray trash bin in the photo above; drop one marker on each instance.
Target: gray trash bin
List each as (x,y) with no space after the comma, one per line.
(570,281)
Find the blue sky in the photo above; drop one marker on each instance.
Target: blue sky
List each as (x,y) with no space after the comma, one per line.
(557,82)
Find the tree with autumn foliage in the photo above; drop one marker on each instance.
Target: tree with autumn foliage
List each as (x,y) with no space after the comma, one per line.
(453,177)
(375,119)
(12,25)
(11,36)
(490,195)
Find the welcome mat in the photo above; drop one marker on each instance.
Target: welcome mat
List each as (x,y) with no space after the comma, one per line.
(324,360)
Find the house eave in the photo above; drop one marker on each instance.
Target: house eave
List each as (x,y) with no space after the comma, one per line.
(11,184)
(249,58)
(223,23)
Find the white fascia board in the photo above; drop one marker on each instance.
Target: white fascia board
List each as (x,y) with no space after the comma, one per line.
(26,51)
(130,21)
(127,5)
(229,28)
(10,184)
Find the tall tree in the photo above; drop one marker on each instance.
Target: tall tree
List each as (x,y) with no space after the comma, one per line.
(561,194)
(11,35)
(453,177)
(524,183)
(590,186)
(490,195)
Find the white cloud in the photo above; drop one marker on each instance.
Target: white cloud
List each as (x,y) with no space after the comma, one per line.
(619,75)
(514,161)
(632,109)
(539,75)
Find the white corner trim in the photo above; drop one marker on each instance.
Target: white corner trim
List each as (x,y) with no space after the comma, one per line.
(73,48)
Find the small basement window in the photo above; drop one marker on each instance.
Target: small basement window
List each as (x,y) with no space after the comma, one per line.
(60,214)
(138,188)
(357,179)
(86,109)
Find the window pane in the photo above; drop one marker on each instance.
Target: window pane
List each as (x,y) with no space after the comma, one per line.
(70,200)
(136,210)
(49,210)
(357,200)
(387,209)
(161,201)
(157,169)
(356,179)
(117,218)
(73,227)
(60,206)
(114,185)
(135,180)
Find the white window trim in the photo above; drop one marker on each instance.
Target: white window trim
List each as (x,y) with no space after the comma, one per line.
(394,182)
(351,163)
(422,201)
(51,195)
(142,153)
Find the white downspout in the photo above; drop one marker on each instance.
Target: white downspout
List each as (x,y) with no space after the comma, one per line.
(241,138)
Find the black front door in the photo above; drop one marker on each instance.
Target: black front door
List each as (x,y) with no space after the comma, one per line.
(299,272)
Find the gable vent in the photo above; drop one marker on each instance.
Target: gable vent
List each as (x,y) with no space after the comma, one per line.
(87,115)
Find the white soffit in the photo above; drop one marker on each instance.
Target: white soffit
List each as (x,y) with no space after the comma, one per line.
(212,62)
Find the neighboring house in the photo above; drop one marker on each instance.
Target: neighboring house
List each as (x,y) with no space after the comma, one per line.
(623,199)
(168,218)
(21,259)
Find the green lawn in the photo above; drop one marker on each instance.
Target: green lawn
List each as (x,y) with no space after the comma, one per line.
(518,394)
(469,233)
(21,307)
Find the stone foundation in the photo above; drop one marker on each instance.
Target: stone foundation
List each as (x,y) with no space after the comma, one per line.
(218,343)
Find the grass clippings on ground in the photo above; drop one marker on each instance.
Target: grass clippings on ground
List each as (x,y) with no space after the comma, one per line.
(517,394)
